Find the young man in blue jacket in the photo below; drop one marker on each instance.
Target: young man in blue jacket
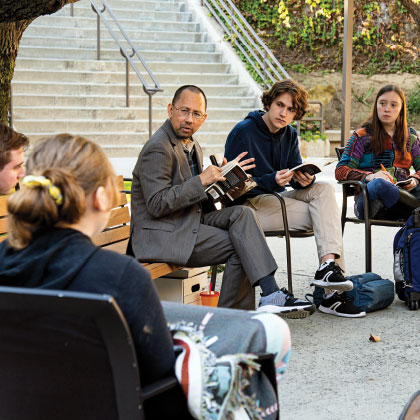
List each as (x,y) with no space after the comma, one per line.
(268,137)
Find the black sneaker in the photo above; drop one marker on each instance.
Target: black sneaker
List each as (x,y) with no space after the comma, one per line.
(340,305)
(331,277)
(284,304)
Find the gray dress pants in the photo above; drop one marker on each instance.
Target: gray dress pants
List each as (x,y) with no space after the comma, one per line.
(234,236)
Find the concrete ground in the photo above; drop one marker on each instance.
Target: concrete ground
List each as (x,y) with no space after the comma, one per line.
(335,372)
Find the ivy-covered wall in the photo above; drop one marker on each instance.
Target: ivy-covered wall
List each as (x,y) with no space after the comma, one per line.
(307,35)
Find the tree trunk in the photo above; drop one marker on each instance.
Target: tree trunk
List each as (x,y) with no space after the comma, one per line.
(414,10)
(10,35)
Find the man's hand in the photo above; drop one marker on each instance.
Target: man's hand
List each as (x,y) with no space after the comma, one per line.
(245,164)
(380,174)
(413,184)
(211,174)
(303,178)
(283,177)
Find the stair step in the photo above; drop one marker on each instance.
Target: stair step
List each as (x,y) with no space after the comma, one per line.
(134,34)
(115,66)
(113,54)
(78,88)
(63,76)
(132,13)
(116,101)
(121,126)
(110,44)
(122,113)
(90,22)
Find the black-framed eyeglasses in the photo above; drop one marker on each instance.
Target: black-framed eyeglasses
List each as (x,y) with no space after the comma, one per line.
(185,112)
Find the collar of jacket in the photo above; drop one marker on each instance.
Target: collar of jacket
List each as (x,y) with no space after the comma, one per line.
(177,143)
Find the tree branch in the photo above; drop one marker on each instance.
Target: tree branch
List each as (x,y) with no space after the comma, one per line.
(13,11)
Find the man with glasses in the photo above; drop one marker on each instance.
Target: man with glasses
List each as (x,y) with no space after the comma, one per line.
(172,220)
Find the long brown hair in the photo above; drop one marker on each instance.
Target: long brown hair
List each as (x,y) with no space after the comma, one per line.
(76,166)
(377,130)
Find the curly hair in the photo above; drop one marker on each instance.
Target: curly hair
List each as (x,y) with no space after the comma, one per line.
(294,89)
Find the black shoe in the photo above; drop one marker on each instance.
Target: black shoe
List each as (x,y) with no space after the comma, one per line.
(284,304)
(340,305)
(331,277)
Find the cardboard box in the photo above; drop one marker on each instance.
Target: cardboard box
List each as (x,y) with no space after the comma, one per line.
(182,290)
(185,272)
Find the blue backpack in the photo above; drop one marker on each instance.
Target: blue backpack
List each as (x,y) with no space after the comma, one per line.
(407,261)
(370,292)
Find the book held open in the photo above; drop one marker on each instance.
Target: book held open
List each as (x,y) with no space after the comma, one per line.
(237,183)
(309,168)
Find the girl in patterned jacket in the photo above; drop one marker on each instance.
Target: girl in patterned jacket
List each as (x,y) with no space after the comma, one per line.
(381,153)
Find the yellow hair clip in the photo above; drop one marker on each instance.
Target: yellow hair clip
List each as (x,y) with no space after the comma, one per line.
(33,181)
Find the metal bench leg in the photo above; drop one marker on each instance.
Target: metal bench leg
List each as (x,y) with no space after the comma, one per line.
(287,237)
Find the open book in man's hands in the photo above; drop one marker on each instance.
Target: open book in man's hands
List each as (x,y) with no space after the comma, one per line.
(403,183)
(309,168)
(237,183)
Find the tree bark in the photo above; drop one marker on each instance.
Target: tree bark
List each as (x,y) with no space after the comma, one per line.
(10,35)
(15,10)
(414,10)
(15,17)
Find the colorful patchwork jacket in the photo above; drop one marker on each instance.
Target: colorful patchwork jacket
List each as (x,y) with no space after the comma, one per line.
(358,159)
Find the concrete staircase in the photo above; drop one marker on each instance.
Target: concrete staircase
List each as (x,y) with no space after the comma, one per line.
(59,86)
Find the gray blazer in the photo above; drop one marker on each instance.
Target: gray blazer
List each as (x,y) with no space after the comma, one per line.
(165,200)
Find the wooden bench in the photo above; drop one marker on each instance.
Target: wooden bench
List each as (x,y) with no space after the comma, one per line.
(3,217)
(117,232)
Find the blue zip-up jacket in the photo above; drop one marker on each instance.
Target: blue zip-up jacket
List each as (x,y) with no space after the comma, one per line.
(272,151)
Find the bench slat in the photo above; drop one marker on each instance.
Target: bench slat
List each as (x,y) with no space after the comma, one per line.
(160,269)
(118,216)
(3,225)
(119,247)
(113,235)
(3,205)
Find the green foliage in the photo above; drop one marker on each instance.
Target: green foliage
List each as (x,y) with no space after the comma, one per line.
(413,102)
(308,34)
(312,135)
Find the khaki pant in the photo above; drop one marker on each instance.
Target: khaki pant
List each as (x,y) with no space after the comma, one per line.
(313,208)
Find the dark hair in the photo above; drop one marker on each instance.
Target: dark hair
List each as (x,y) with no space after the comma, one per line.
(10,140)
(191,88)
(376,129)
(296,91)
(73,164)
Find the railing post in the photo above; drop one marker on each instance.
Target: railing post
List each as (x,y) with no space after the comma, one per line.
(127,83)
(71,10)
(265,68)
(98,37)
(150,115)
(232,41)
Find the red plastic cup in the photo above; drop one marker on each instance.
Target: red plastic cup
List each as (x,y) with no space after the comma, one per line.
(209,298)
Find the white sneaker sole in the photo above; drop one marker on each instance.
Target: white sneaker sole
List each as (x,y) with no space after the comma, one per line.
(329,311)
(291,312)
(345,286)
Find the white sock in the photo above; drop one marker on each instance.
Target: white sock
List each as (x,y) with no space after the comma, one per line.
(329,295)
(325,263)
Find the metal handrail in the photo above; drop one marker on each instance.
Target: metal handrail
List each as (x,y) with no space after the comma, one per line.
(236,27)
(149,90)
(243,37)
